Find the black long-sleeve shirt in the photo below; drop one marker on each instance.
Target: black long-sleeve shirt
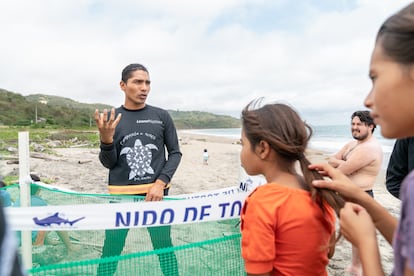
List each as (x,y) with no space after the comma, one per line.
(142,140)
(400,164)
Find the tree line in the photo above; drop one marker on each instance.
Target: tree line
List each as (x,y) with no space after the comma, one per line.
(46,111)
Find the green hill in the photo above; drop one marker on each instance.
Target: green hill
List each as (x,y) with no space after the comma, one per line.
(61,112)
(64,102)
(199,119)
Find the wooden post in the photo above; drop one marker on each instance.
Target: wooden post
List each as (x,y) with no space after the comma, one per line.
(24,183)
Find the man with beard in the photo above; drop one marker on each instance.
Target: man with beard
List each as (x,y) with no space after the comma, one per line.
(360,159)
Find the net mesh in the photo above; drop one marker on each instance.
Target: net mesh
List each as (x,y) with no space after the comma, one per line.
(202,248)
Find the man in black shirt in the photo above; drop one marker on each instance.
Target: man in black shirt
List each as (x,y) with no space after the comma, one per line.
(134,141)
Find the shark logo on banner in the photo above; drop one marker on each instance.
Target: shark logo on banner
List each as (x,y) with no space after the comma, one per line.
(55,219)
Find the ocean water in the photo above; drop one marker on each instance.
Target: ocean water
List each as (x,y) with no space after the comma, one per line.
(327,138)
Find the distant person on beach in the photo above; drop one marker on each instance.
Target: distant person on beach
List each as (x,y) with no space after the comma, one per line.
(360,159)
(287,226)
(205,157)
(391,101)
(134,140)
(401,163)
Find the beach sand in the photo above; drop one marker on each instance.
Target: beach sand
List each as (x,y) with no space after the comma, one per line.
(79,169)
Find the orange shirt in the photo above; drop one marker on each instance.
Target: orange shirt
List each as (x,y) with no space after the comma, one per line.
(285,232)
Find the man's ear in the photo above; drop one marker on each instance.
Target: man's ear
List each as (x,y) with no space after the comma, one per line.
(122,84)
(371,127)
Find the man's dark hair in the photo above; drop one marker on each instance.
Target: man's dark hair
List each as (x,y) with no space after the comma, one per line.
(365,118)
(126,73)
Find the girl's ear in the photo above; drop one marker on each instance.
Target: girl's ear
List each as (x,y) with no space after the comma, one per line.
(263,149)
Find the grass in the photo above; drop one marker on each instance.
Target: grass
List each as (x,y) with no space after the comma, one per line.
(42,136)
(8,180)
(14,179)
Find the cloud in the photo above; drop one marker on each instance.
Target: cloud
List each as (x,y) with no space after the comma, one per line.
(211,56)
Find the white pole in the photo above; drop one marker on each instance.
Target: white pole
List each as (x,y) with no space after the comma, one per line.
(24,182)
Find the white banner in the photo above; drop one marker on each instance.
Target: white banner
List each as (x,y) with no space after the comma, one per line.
(126,215)
(199,195)
(208,194)
(242,188)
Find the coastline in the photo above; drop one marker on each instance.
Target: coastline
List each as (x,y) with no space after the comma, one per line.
(79,169)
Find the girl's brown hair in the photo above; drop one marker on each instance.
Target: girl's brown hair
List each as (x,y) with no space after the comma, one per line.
(283,129)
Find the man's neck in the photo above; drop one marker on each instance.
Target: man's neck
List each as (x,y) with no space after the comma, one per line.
(134,107)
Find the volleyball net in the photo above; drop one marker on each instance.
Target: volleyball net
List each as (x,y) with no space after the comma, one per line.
(194,234)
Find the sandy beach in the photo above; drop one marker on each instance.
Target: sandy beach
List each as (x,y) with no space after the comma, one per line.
(79,169)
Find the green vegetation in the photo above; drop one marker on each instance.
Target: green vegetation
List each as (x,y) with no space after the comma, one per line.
(10,179)
(198,120)
(17,110)
(43,137)
(53,112)
(14,179)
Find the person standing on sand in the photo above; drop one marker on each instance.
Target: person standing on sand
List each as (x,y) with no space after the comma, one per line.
(205,157)
(360,159)
(391,101)
(133,142)
(287,226)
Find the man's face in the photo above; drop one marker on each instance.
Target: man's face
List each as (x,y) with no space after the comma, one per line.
(360,130)
(136,89)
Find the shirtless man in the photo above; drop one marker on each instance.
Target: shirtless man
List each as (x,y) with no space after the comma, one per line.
(360,159)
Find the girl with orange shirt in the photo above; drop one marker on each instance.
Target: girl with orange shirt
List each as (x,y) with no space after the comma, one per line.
(288,226)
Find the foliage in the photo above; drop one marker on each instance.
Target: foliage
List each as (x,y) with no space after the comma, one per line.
(199,119)
(53,112)
(10,179)
(17,110)
(42,137)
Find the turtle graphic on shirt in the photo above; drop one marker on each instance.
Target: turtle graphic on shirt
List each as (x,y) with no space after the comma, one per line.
(139,158)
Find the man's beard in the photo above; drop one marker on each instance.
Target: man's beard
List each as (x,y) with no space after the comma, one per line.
(360,138)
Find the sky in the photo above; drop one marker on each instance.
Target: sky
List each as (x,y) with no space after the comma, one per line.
(214,56)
